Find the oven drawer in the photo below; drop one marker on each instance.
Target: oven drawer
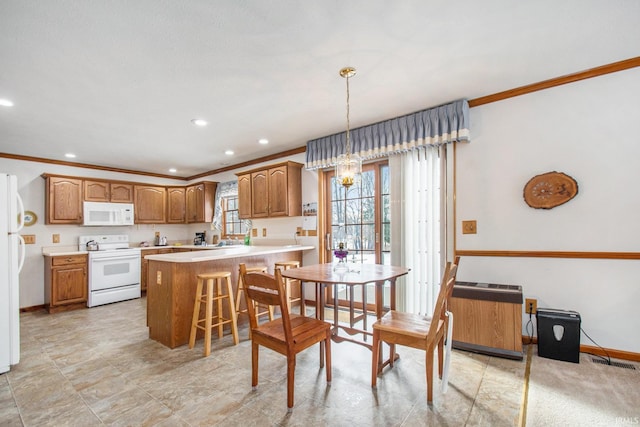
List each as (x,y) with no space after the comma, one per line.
(66,260)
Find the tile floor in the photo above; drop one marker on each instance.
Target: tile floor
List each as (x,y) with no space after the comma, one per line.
(98,367)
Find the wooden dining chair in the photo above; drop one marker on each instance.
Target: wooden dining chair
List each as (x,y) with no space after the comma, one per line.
(414,330)
(288,335)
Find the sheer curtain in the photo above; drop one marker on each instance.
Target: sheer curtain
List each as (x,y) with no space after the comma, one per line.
(418,224)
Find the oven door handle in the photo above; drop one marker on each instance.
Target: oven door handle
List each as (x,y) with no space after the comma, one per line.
(115,258)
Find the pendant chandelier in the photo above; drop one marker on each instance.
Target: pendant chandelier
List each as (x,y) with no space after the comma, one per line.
(349,165)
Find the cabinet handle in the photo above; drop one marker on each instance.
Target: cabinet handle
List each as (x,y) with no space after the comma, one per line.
(69,259)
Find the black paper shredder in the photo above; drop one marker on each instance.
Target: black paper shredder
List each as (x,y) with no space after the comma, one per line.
(558,334)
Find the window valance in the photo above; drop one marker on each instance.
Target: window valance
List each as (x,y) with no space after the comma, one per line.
(434,126)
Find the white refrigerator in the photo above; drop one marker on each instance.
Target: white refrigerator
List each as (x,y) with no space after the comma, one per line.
(12,253)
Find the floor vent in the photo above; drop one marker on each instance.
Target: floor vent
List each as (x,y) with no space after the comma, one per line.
(616,364)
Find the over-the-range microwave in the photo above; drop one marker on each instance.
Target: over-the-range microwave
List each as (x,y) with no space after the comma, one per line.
(103,213)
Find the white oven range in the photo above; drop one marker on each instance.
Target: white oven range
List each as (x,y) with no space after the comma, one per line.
(114,268)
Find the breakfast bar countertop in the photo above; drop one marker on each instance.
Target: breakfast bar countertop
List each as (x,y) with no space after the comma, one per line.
(225,252)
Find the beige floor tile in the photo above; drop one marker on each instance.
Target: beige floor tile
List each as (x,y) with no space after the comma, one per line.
(97,366)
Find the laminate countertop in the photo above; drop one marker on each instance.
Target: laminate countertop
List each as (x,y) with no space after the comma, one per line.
(225,252)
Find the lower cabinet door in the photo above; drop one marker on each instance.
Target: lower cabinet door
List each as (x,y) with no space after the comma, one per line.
(69,285)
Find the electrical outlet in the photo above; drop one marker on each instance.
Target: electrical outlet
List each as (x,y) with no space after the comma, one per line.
(29,239)
(469,227)
(254,232)
(55,238)
(530,306)
(264,232)
(159,277)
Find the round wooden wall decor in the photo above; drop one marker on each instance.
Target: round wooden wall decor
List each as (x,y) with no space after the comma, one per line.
(549,190)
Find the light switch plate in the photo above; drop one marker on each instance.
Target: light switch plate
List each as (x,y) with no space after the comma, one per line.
(469,227)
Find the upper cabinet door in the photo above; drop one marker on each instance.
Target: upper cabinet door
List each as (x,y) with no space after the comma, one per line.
(121,193)
(96,191)
(278,205)
(195,203)
(150,204)
(63,200)
(259,195)
(176,206)
(104,191)
(244,196)
(200,202)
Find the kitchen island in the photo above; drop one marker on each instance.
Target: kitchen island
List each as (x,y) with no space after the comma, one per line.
(171,283)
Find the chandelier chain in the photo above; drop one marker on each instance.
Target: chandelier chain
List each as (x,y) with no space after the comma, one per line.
(348,164)
(348,123)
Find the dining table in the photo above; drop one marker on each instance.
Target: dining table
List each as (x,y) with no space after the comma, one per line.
(329,274)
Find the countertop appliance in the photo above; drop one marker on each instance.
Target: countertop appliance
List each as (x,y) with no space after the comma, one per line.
(11,261)
(104,213)
(114,269)
(200,239)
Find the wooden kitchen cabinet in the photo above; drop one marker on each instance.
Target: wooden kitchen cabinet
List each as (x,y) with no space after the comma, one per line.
(144,266)
(176,205)
(150,204)
(106,191)
(259,195)
(285,190)
(274,191)
(66,282)
(200,202)
(244,196)
(153,204)
(63,200)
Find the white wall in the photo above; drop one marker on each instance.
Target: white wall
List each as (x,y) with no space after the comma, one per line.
(586,130)
(31,187)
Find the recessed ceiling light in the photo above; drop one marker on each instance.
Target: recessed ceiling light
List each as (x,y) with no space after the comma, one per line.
(199,122)
(6,103)
(70,156)
(263,141)
(229,152)
(173,170)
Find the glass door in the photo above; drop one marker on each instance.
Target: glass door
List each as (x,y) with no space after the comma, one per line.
(360,216)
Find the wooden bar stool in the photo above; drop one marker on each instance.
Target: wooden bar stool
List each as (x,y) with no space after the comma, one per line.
(208,298)
(241,290)
(285,265)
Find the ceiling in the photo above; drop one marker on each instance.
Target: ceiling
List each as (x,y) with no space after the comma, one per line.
(118,82)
